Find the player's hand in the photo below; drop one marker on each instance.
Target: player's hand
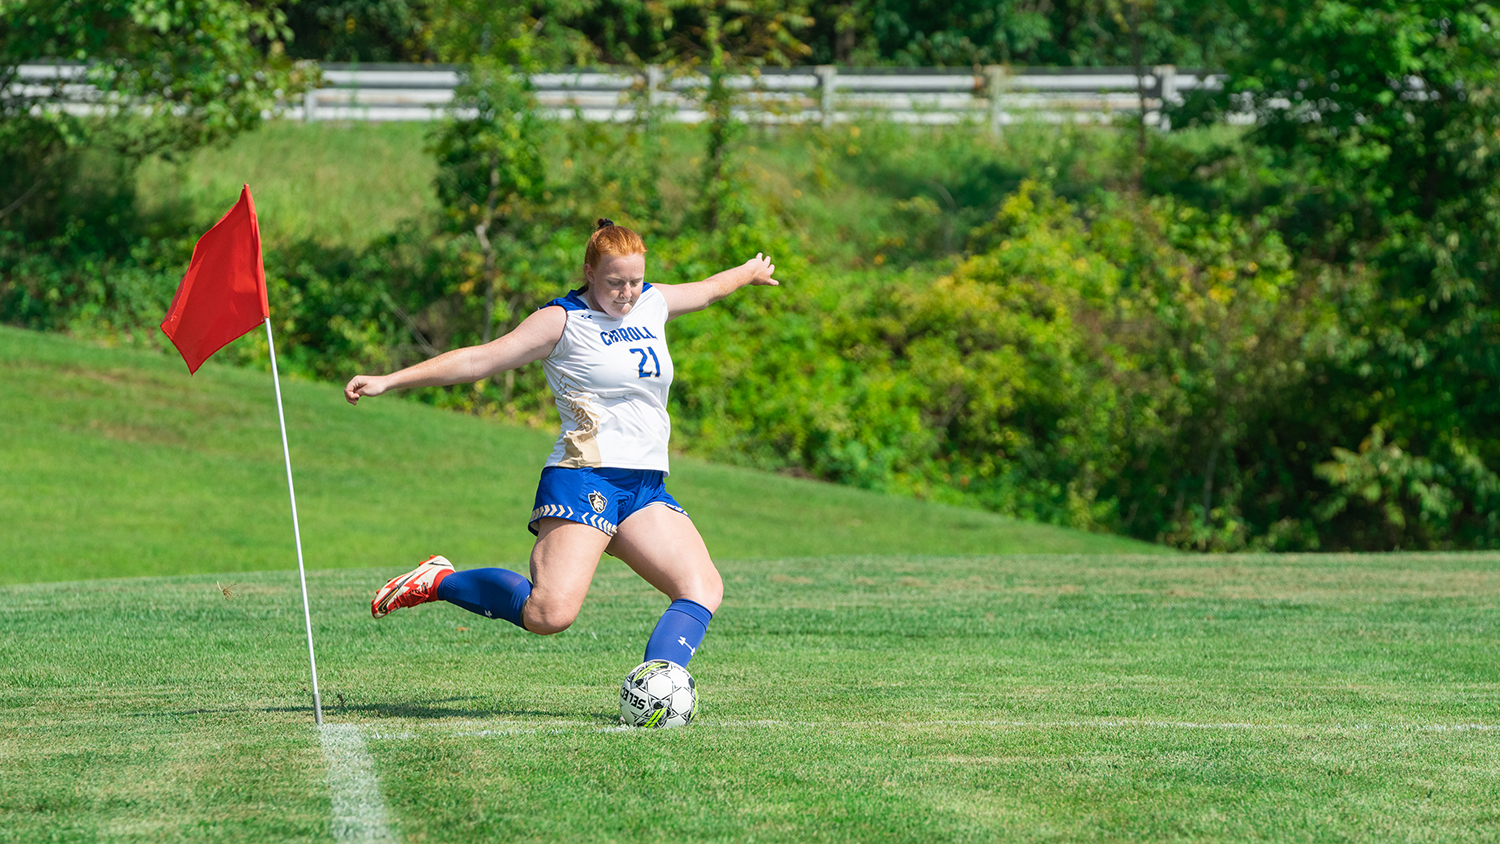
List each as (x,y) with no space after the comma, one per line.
(363,385)
(761,268)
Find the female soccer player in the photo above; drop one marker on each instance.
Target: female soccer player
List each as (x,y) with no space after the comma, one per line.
(604,349)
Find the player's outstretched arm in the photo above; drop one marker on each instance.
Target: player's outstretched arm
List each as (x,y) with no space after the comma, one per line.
(530,341)
(686,298)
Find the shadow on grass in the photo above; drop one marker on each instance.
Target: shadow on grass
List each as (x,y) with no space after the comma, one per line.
(432,711)
(422,711)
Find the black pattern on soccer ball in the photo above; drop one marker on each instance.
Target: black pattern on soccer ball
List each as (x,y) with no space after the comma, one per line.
(658,693)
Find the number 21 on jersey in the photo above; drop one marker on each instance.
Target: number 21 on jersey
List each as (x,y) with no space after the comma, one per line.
(644,372)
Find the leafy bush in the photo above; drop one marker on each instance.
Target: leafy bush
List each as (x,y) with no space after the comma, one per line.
(1110,370)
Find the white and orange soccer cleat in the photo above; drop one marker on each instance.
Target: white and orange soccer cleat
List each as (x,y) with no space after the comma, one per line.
(417,586)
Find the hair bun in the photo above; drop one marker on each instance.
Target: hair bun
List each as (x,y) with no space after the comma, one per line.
(602,223)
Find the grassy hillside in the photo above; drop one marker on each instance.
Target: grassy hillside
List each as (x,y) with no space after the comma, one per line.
(843,698)
(862,196)
(321,181)
(117,463)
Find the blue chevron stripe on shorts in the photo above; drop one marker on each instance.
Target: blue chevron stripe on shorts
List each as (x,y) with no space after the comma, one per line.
(601,498)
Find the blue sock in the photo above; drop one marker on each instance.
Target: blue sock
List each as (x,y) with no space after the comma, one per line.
(679,633)
(492,593)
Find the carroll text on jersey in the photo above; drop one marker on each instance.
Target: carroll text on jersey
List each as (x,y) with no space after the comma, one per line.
(620,335)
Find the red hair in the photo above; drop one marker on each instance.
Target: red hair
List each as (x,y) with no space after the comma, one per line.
(610,239)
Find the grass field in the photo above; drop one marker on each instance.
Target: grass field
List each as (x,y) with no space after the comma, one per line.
(881,670)
(896,698)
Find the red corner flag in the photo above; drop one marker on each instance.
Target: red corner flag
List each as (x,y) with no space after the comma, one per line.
(223,294)
(222,297)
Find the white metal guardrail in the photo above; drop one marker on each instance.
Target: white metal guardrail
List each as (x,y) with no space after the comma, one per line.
(996,96)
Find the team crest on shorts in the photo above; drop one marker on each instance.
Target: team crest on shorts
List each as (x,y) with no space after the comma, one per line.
(597,501)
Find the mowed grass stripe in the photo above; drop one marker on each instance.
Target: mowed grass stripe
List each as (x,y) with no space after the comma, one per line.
(1030,698)
(115,463)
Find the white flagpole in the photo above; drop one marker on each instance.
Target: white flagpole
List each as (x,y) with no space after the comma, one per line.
(312,661)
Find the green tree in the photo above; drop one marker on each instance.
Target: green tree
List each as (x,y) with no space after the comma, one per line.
(712,41)
(490,173)
(169,77)
(847,32)
(491,178)
(1388,114)
(360,30)
(1067,32)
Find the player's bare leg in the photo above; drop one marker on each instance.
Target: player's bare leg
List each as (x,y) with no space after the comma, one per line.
(664,547)
(563,562)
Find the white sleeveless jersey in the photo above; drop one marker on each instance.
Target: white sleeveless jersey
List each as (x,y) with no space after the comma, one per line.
(610,379)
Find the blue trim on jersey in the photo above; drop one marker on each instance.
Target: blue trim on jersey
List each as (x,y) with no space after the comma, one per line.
(574,300)
(571,302)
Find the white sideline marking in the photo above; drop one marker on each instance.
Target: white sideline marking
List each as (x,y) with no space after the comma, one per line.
(1126,723)
(359,813)
(512,728)
(1119,723)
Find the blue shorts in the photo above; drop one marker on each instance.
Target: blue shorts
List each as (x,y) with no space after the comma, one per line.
(600,498)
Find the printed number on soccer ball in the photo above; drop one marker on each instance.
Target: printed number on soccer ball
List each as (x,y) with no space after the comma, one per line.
(642,368)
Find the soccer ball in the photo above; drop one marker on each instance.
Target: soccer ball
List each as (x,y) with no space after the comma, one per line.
(658,693)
